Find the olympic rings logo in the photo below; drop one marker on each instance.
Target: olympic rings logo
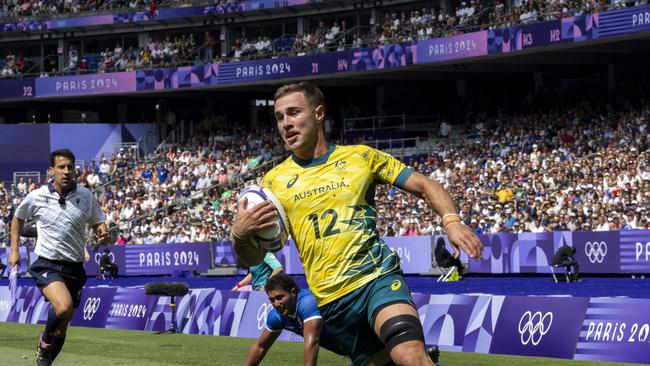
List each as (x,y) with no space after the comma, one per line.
(262,314)
(98,256)
(596,251)
(91,306)
(533,326)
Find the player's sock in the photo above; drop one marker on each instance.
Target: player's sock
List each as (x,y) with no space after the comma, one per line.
(52,323)
(57,345)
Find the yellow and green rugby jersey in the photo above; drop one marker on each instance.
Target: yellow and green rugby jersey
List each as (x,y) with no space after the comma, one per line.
(329,202)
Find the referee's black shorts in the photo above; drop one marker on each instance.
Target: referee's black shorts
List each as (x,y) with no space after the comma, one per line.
(73,274)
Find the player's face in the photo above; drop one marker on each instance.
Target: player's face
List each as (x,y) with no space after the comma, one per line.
(63,172)
(299,122)
(284,302)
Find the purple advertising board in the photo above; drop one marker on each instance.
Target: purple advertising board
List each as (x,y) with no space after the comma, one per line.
(597,329)
(629,20)
(18,89)
(130,308)
(615,330)
(164,259)
(414,251)
(597,251)
(95,305)
(115,82)
(452,48)
(635,251)
(517,38)
(539,326)
(580,28)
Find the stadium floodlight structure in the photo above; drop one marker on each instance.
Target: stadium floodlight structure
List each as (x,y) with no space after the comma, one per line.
(171,289)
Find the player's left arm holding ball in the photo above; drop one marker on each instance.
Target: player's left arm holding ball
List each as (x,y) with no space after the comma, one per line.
(248,221)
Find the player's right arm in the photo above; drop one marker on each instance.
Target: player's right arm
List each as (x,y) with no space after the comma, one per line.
(248,221)
(24,211)
(261,347)
(16,228)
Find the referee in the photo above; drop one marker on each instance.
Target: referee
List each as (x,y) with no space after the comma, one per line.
(61,209)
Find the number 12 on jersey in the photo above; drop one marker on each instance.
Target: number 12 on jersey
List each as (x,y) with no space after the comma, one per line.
(329,229)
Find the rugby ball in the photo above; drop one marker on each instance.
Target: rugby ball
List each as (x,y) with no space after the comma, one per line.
(273,238)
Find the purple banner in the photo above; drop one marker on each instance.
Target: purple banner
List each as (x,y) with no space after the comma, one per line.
(599,329)
(164,259)
(19,88)
(539,326)
(615,330)
(635,251)
(94,307)
(597,252)
(629,20)
(580,28)
(452,48)
(130,308)
(414,251)
(117,82)
(517,38)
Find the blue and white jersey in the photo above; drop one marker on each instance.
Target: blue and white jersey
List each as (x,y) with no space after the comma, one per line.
(306,310)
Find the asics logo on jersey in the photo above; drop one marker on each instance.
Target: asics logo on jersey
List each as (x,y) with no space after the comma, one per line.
(533,326)
(292,181)
(395,285)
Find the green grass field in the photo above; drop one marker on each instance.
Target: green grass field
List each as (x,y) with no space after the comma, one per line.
(106,347)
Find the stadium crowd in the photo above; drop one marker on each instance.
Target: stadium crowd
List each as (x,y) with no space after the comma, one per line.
(588,170)
(401,25)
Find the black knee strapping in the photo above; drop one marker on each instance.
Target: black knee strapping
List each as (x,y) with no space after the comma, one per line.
(400,329)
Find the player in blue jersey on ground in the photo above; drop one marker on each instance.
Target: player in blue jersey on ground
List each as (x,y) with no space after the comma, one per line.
(294,310)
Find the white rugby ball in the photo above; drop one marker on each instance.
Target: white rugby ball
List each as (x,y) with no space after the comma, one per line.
(272,238)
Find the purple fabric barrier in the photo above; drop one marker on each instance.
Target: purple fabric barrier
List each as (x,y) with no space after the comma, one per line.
(517,38)
(19,88)
(615,330)
(539,326)
(597,252)
(452,48)
(414,251)
(598,329)
(164,259)
(95,305)
(580,28)
(635,251)
(629,20)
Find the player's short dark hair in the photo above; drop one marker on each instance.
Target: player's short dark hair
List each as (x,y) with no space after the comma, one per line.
(281,282)
(313,94)
(66,153)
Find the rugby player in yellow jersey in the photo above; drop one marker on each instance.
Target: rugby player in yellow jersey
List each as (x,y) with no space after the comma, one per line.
(327,192)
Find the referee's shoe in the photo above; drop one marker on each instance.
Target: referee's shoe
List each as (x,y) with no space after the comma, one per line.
(43,352)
